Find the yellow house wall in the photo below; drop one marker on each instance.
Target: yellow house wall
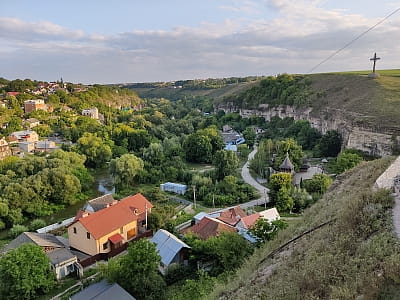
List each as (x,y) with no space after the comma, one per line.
(104,239)
(79,240)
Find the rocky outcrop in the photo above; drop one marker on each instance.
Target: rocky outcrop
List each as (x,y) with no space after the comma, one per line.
(354,136)
(387,178)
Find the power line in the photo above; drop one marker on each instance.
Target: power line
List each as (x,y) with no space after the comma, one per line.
(353,40)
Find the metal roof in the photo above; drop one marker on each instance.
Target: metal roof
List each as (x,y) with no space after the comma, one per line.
(40,239)
(201,215)
(178,185)
(103,291)
(60,255)
(168,245)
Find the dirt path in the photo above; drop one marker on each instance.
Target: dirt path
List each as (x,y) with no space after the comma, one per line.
(396,214)
(387,181)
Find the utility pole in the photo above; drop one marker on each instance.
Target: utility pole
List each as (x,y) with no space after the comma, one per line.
(194,196)
(265,198)
(145,205)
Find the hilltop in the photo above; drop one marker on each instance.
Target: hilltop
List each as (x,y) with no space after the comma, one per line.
(215,89)
(376,102)
(372,103)
(356,256)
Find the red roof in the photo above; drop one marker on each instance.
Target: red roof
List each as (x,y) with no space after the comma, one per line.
(209,227)
(249,221)
(116,238)
(111,218)
(232,215)
(13,93)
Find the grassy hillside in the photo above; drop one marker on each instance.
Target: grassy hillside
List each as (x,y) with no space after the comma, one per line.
(181,93)
(354,257)
(392,72)
(372,102)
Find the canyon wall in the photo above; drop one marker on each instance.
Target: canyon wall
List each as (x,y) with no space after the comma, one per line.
(354,135)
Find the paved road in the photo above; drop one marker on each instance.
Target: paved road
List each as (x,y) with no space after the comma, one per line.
(250,180)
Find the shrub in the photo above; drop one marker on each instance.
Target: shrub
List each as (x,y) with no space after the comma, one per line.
(36,224)
(16,230)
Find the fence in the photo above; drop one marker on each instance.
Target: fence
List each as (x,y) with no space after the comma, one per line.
(106,256)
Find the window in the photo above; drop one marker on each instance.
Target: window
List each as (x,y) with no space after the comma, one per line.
(70,268)
(74,229)
(105,245)
(131,233)
(88,235)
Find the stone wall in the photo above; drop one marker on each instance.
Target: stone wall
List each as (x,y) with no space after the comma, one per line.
(365,139)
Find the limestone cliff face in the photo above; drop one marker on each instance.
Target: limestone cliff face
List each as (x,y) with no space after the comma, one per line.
(354,136)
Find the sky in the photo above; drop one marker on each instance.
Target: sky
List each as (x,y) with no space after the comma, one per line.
(121,41)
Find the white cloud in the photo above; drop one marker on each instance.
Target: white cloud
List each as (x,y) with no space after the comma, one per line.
(299,37)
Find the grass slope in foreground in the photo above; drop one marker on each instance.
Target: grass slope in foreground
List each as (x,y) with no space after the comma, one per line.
(355,257)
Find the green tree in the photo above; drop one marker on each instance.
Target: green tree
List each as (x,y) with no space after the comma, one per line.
(125,169)
(263,158)
(226,163)
(250,136)
(280,185)
(284,200)
(16,230)
(25,273)
(198,148)
(138,139)
(216,140)
(279,180)
(96,150)
(346,161)
(137,271)
(263,230)
(154,154)
(226,251)
(319,183)
(36,224)
(53,100)
(295,153)
(330,143)
(231,250)
(301,199)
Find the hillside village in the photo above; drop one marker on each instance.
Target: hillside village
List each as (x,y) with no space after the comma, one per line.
(197,190)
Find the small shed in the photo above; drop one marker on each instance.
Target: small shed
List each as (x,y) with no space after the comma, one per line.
(176,188)
(103,291)
(171,249)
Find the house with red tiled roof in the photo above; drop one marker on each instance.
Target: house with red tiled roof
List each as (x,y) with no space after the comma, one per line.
(248,221)
(232,215)
(209,227)
(109,228)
